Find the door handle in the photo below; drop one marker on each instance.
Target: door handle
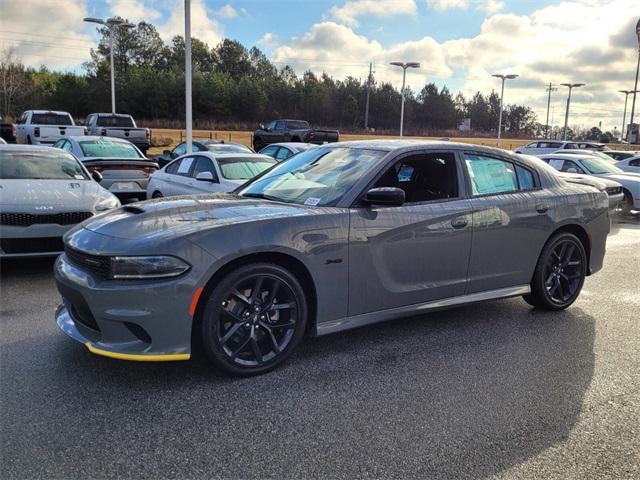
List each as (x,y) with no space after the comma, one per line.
(542,208)
(459,222)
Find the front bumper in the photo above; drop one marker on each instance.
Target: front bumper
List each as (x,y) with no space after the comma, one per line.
(131,320)
(39,240)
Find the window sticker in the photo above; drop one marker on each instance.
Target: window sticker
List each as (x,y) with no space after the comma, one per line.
(185,165)
(312,201)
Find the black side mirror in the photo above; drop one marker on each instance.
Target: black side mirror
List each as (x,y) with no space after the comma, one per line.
(261,126)
(97,176)
(166,152)
(389,196)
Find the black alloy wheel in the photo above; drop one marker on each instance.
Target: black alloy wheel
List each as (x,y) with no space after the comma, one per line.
(254,319)
(156,195)
(560,273)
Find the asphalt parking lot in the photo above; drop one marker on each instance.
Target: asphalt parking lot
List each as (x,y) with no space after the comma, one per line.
(493,390)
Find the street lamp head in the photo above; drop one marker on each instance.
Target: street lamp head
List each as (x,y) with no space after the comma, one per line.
(573,85)
(405,65)
(94,20)
(118,22)
(397,64)
(413,64)
(509,76)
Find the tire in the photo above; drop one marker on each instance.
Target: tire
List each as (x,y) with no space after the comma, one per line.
(240,330)
(627,204)
(29,142)
(157,194)
(559,274)
(295,139)
(258,144)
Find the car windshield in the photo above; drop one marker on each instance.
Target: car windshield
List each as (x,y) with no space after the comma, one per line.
(320,176)
(597,166)
(227,148)
(114,121)
(243,168)
(40,165)
(107,149)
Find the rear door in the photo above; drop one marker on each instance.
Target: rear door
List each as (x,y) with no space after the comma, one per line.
(419,251)
(177,177)
(512,219)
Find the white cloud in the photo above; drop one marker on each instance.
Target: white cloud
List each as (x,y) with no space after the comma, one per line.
(203,27)
(133,10)
(227,11)
(340,51)
(269,40)
(491,6)
(488,6)
(53,32)
(349,12)
(442,5)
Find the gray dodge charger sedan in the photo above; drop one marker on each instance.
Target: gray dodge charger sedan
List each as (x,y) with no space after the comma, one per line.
(338,237)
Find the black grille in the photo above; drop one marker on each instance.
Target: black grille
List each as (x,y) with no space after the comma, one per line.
(614,190)
(31,245)
(96,264)
(27,219)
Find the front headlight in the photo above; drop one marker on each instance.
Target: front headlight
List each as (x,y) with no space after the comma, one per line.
(108,203)
(161,266)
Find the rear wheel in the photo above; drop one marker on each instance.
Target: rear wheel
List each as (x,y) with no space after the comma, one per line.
(156,194)
(559,274)
(627,203)
(254,319)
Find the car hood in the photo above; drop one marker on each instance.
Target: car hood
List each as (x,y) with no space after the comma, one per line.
(75,194)
(621,177)
(180,216)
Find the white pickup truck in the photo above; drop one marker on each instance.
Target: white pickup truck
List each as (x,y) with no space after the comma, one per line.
(118,125)
(45,127)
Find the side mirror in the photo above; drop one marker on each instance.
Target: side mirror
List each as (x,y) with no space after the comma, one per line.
(97,176)
(389,196)
(205,177)
(166,152)
(261,126)
(572,170)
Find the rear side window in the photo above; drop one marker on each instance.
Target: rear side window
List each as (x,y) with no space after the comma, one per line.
(50,119)
(490,175)
(525,178)
(114,121)
(180,167)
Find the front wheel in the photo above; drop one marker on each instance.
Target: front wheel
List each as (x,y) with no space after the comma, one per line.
(156,194)
(559,274)
(253,319)
(627,203)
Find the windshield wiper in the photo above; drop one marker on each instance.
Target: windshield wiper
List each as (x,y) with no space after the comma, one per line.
(263,197)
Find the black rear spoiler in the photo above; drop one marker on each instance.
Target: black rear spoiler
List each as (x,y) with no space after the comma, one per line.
(129,162)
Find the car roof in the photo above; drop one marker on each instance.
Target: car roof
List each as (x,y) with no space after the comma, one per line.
(78,138)
(105,114)
(27,148)
(58,112)
(568,156)
(296,145)
(233,155)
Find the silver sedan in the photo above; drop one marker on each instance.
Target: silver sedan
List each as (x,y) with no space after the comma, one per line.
(338,237)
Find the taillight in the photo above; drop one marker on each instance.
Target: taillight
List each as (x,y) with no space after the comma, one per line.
(13,130)
(148,133)
(149,170)
(36,132)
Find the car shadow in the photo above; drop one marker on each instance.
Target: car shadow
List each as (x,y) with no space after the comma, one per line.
(462,393)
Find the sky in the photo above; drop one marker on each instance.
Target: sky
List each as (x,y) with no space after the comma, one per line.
(459,43)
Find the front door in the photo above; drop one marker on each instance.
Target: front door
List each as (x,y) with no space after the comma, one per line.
(512,219)
(419,251)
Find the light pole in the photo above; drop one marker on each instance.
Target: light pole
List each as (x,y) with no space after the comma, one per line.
(111,24)
(510,76)
(635,87)
(624,115)
(404,66)
(187,74)
(566,114)
(550,88)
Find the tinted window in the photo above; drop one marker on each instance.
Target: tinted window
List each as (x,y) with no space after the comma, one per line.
(280,125)
(490,175)
(108,149)
(571,167)
(270,125)
(203,164)
(173,167)
(423,177)
(297,125)
(50,119)
(114,121)
(635,162)
(55,165)
(525,178)
(243,168)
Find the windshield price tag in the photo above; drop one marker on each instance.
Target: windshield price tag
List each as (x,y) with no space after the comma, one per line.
(312,201)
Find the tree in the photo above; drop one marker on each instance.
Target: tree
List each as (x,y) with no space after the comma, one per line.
(13,81)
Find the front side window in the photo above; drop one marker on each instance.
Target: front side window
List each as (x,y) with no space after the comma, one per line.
(320,176)
(203,164)
(270,150)
(180,149)
(283,154)
(270,125)
(280,125)
(490,175)
(423,177)
(108,149)
(31,165)
(571,167)
(243,168)
(597,166)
